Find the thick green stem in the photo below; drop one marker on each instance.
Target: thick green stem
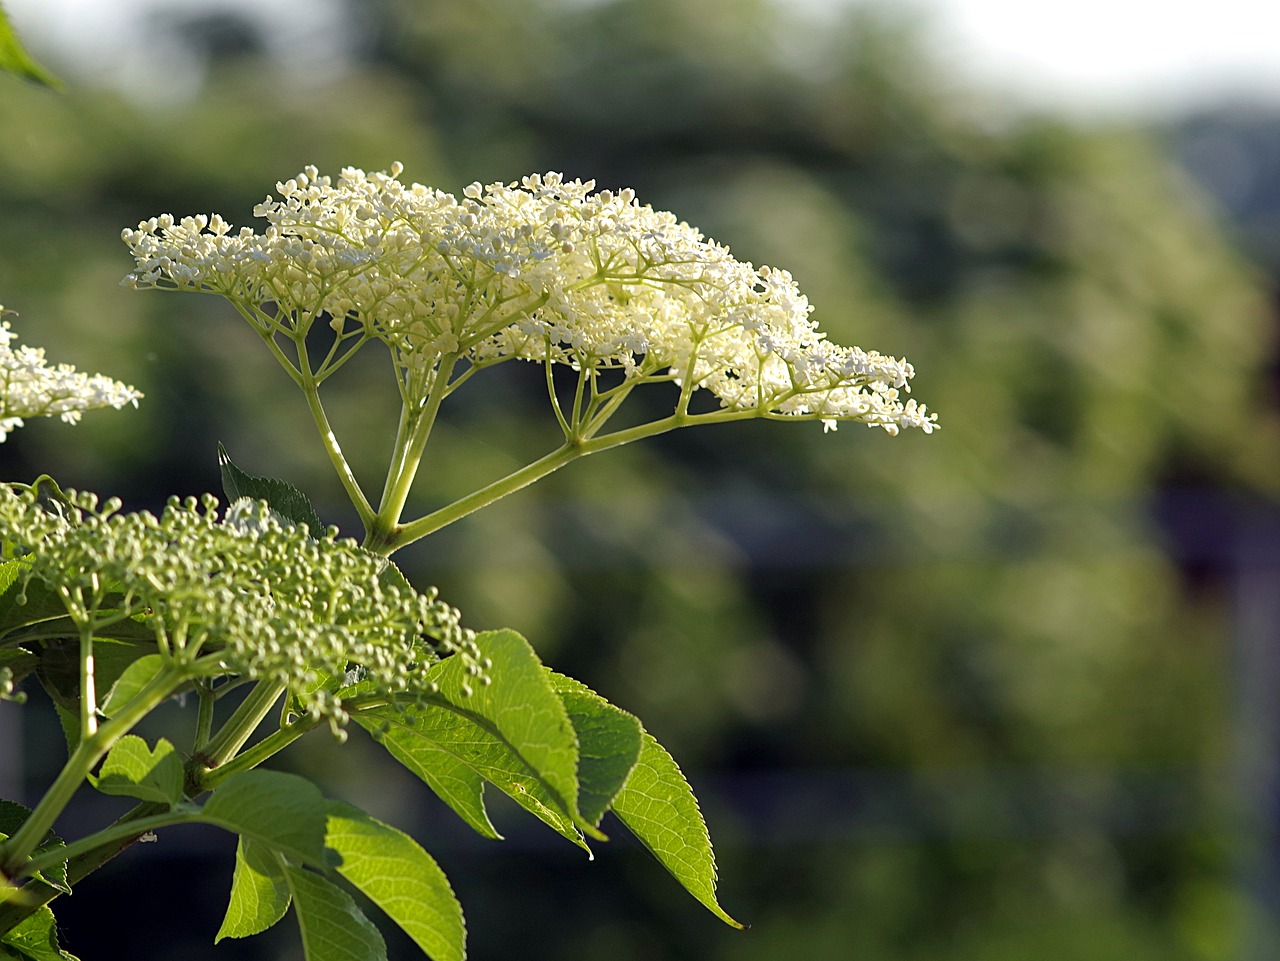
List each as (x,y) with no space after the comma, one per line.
(15,851)
(255,755)
(244,720)
(381,532)
(570,451)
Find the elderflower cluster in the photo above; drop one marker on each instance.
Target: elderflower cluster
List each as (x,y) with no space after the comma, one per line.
(254,598)
(30,387)
(545,269)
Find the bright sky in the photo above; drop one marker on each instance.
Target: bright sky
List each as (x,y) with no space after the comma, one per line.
(1132,56)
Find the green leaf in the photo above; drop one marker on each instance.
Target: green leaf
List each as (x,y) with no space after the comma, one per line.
(15,59)
(41,602)
(283,498)
(458,783)
(12,816)
(134,770)
(513,732)
(609,742)
(333,927)
(35,938)
(282,811)
(59,669)
(395,873)
(133,679)
(259,894)
(657,806)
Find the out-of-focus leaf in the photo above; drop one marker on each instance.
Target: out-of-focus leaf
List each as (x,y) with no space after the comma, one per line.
(15,59)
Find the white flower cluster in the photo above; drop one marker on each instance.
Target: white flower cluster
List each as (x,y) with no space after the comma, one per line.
(253,598)
(542,269)
(30,387)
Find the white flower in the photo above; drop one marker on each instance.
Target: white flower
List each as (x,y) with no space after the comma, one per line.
(542,269)
(30,387)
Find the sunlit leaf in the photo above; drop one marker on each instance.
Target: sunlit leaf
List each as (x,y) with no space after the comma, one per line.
(657,806)
(282,811)
(15,59)
(259,893)
(393,871)
(333,927)
(35,938)
(134,770)
(609,743)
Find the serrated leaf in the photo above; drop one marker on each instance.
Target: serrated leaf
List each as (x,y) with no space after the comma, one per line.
(658,807)
(12,816)
(282,811)
(455,755)
(393,871)
(514,732)
(35,938)
(283,498)
(133,679)
(609,743)
(134,770)
(333,927)
(259,894)
(15,59)
(455,781)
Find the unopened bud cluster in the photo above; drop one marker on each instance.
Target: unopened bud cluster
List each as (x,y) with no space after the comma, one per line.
(544,269)
(261,600)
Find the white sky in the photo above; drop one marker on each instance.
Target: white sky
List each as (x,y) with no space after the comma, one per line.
(1132,56)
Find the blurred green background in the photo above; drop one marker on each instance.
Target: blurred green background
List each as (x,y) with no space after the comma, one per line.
(1006,692)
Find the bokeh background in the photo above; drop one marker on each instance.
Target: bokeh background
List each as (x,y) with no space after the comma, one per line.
(1005,692)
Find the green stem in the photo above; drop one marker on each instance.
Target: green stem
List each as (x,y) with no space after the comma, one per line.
(88,692)
(255,755)
(382,531)
(15,851)
(330,440)
(244,720)
(26,900)
(204,717)
(106,836)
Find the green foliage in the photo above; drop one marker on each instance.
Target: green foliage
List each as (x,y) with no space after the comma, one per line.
(135,770)
(389,868)
(259,894)
(283,812)
(333,929)
(14,58)
(286,501)
(35,939)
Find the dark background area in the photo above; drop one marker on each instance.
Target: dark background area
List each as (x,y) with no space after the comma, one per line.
(1003,692)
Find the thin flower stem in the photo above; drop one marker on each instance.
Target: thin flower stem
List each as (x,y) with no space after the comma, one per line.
(332,448)
(115,832)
